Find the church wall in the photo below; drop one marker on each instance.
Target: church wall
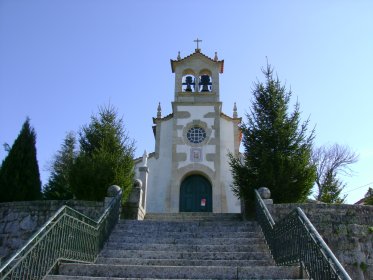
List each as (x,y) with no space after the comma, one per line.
(160,172)
(227,144)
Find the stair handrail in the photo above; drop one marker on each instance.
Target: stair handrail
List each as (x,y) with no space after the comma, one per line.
(294,239)
(67,236)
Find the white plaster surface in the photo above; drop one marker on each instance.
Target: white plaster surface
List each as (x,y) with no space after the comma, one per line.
(226,146)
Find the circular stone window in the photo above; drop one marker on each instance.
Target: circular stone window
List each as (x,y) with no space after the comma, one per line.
(196,134)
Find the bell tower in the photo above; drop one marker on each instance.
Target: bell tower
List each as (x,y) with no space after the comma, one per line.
(197,77)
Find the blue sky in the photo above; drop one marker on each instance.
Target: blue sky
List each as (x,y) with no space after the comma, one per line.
(61,60)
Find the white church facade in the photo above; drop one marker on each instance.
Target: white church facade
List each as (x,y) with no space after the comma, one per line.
(189,170)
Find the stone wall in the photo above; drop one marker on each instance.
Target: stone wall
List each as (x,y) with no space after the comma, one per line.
(19,220)
(347,229)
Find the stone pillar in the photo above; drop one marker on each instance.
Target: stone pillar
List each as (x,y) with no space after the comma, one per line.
(265,194)
(144,172)
(133,209)
(143,176)
(112,191)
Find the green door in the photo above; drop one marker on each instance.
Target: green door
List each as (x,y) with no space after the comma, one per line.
(195,194)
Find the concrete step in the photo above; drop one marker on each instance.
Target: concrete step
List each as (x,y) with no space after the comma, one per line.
(179,272)
(64,277)
(186,227)
(189,241)
(182,262)
(121,235)
(196,216)
(186,248)
(252,255)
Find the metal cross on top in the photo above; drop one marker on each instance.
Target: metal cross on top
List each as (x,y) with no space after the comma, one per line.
(198,41)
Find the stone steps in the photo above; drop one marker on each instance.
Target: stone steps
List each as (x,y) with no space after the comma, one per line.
(183,262)
(187,248)
(186,240)
(209,247)
(254,255)
(117,236)
(190,216)
(179,272)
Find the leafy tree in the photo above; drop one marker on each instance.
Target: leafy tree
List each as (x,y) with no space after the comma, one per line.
(58,186)
(329,162)
(277,149)
(105,157)
(19,173)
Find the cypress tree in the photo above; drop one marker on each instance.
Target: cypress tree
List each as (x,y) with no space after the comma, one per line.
(19,173)
(277,149)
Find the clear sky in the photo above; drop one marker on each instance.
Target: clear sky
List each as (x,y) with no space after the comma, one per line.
(60,60)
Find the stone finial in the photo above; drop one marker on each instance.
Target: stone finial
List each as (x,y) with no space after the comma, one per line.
(145,158)
(159,111)
(216,56)
(137,184)
(235,110)
(264,192)
(113,190)
(178,56)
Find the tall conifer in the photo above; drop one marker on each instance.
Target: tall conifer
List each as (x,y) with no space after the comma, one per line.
(105,157)
(277,149)
(19,173)
(58,186)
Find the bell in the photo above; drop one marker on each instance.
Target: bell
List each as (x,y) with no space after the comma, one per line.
(205,82)
(188,82)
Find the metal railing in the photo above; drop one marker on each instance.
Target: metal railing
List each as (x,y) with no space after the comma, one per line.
(294,240)
(67,235)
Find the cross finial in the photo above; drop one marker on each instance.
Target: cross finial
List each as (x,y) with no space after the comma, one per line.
(198,41)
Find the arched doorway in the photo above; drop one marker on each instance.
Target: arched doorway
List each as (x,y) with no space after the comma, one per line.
(195,194)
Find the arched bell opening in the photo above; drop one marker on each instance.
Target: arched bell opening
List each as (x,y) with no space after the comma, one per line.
(195,194)
(205,81)
(188,81)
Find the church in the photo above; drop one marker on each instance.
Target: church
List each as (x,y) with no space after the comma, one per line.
(189,169)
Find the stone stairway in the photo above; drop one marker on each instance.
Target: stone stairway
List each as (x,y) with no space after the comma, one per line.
(182,246)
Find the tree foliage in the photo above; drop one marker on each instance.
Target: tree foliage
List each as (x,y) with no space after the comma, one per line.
(277,149)
(58,186)
(105,157)
(369,197)
(331,161)
(19,173)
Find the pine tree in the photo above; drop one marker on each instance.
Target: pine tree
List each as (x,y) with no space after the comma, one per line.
(58,186)
(331,191)
(19,173)
(105,157)
(277,149)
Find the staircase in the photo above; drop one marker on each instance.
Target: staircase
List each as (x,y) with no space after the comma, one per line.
(182,246)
